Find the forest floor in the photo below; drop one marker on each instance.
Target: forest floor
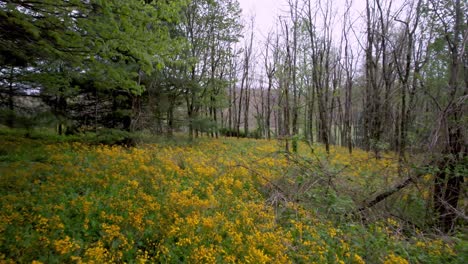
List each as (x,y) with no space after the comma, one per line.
(208,201)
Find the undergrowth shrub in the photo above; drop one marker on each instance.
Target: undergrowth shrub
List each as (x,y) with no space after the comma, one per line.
(115,137)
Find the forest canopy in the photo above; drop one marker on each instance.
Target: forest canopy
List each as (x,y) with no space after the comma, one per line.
(79,55)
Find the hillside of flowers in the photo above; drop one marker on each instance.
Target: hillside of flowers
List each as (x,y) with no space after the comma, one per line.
(208,201)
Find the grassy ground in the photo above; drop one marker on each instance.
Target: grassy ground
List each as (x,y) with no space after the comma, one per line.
(210,201)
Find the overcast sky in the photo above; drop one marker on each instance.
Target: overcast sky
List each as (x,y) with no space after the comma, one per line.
(265,12)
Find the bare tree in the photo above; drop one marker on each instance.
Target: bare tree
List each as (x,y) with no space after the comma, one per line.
(270,65)
(285,80)
(372,100)
(321,58)
(405,68)
(450,134)
(244,99)
(294,16)
(349,74)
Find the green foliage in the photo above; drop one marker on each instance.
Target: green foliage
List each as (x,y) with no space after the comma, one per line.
(204,125)
(115,137)
(33,152)
(29,121)
(69,52)
(379,145)
(257,133)
(111,41)
(211,28)
(75,52)
(232,133)
(295,143)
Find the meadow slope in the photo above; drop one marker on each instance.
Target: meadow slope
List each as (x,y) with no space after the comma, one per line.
(212,201)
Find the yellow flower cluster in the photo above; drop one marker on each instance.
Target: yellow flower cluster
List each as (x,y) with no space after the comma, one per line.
(436,247)
(395,259)
(65,246)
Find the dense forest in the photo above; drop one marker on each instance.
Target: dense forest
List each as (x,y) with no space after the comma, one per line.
(390,80)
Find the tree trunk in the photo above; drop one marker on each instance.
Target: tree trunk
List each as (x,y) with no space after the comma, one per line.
(246,109)
(268,110)
(448,182)
(11,105)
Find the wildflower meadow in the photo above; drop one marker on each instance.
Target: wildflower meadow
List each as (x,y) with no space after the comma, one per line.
(207,201)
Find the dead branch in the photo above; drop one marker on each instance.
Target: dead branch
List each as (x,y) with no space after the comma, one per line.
(384,195)
(275,186)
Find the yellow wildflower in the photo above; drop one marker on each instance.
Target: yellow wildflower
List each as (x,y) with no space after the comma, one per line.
(64,246)
(357,259)
(395,259)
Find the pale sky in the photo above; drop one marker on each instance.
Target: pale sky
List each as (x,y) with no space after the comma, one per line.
(265,12)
